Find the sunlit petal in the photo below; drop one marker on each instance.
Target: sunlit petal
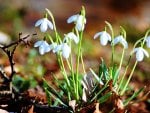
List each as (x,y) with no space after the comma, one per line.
(80,23)
(50,25)
(72,18)
(44,25)
(97,35)
(38,43)
(71,36)
(38,22)
(120,39)
(66,50)
(148,41)
(139,55)
(57,48)
(140,52)
(41,50)
(145,52)
(104,37)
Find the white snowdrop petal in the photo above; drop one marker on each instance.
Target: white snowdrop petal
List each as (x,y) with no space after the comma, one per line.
(38,22)
(148,41)
(97,35)
(43,26)
(41,50)
(71,35)
(103,40)
(108,36)
(116,40)
(145,52)
(125,44)
(50,25)
(66,51)
(46,47)
(57,48)
(80,23)
(139,55)
(72,18)
(38,43)
(135,50)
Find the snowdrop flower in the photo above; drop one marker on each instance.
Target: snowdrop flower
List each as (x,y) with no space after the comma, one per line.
(140,52)
(71,36)
(44,24)
(148,41)
(104,37)
(44,47)
(79,20)
(120,39)
(64,48)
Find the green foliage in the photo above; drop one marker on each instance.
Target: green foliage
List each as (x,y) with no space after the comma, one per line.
(21,84)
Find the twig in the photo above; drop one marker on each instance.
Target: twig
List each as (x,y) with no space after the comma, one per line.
(10,54)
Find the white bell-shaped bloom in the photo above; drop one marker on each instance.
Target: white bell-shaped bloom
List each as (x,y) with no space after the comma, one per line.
(104,37)
(71,36)
(44,24)
(148,41)
(140,52)
(79,20)
(64,48)
(44,47)
(120,39)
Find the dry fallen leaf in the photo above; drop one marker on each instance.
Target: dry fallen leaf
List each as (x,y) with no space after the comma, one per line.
(31,109)
(97,108)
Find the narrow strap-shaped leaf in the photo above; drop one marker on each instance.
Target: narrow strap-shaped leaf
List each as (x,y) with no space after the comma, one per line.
(104,87)
(52,91)
(57,99)
(105,97)
(135,94)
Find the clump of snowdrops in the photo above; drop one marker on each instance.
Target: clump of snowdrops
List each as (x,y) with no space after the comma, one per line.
(82,88)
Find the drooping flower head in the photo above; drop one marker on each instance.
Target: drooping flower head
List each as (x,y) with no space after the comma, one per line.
(79,20)
(120,39)
(64,49)
(71,36)
(104,37)
(44,47)
(148,41)
(44,24)
(140,52)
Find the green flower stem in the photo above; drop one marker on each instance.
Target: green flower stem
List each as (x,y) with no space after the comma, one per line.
(127,66)
(62,67)
(58,39)
(112,36)
(142,44)
(68,63)
(145,38)
(79,53)
(122,57)
(72,71)
(49,37)
(83,63)
(124,89)
(77,67)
